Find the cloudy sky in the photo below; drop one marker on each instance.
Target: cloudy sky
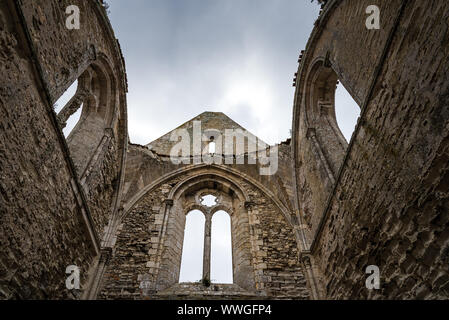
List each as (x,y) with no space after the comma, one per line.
(184,57)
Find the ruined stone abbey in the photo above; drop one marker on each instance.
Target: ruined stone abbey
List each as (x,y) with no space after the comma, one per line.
(307,229)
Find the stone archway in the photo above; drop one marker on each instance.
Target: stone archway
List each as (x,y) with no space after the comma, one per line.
(186,196)
(148,249)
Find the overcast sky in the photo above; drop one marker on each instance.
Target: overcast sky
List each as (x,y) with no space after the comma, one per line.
(184,57)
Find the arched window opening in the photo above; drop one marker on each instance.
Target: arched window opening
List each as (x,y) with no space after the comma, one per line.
(209,200)
(347,111)
(322,101)
(221,248)
(193,246)
(86,116)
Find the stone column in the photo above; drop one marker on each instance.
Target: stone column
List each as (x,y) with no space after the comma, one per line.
(310,274)
(163,270)
(207,246)
(94,287)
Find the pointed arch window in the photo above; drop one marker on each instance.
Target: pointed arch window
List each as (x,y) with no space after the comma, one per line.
(207,246)
(86,113)
(331,115)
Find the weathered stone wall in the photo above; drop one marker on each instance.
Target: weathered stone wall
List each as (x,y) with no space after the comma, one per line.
(46,217)
(102,184)
(339,35)
(196,291)
(390,205)
(145,250)
(145,164)
(136,249)
(63,55)
(212,124)
(275,253)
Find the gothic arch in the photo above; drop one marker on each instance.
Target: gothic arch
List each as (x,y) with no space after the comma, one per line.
(182,190)
(185,196)
(320,118)
(218,170)
(97,95)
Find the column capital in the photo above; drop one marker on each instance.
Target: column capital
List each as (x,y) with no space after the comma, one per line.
(305,259)
(249,205)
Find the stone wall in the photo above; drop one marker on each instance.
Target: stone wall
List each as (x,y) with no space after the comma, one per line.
(146,164)
(46,214)
(318,151)
(136,249)
(275,252)
(145,249)
(389,204)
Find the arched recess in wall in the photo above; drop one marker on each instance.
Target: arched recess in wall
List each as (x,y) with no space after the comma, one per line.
(97,143)
(320,107)
(319,146)
(97,101)
(193,183)
(216,170)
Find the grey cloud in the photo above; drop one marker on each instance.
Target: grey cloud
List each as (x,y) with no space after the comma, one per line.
(184,57)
